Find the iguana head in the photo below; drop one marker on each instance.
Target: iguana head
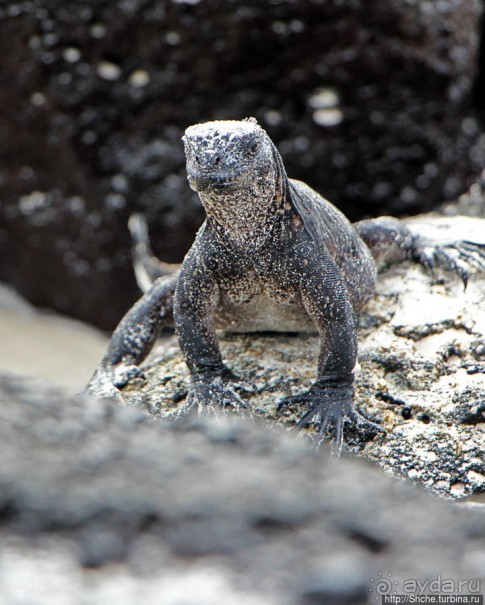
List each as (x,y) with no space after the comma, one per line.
(224,156)
(235,168)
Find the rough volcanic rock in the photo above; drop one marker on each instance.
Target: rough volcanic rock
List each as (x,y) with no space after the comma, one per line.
(422,372)
(101,504)
(368,102)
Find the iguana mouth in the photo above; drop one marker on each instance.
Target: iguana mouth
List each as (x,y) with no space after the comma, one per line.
(217,183)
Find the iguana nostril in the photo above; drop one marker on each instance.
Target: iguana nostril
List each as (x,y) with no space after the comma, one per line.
(217,159)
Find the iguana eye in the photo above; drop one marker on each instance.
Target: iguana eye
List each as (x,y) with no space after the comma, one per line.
(253,148)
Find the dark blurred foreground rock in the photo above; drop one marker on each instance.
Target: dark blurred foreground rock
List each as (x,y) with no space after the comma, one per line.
(421,374)
(101,504)
(368,102)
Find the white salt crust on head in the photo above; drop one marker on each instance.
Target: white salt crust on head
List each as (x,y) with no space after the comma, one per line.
(223,128)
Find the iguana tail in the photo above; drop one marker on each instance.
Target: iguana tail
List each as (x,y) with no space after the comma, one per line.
(146,265)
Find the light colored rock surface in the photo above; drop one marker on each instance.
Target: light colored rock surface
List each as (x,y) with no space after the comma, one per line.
(421,374)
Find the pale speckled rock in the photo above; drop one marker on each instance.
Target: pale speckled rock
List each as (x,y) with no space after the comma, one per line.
(421,373)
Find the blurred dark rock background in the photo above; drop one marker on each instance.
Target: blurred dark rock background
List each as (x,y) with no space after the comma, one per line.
(373,104)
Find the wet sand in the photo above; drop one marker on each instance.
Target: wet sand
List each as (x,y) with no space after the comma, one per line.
(47,345)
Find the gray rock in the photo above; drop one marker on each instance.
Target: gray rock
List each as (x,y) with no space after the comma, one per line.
(204,511)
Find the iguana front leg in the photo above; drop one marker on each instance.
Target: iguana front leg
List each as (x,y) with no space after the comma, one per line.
(211,382)
(133,339)
(330,398)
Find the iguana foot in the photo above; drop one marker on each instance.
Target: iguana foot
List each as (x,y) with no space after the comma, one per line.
(211,392)
(101,385)
(108,379)
(458,256)
(330,408)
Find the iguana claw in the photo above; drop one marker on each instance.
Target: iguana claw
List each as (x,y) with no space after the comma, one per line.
(330,408)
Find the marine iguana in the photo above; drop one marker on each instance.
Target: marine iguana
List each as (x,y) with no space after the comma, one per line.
(272,255)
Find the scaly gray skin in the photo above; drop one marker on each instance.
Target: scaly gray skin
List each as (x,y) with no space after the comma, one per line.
(272,255)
